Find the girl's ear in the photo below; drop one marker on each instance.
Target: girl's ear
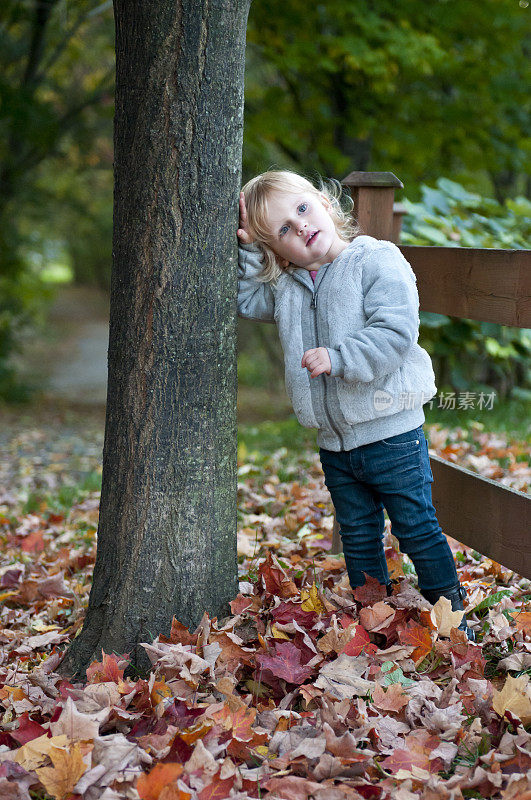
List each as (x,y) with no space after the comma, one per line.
(325,201)
(282,262)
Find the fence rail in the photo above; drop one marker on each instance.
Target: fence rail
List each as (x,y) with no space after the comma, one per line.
(471,283)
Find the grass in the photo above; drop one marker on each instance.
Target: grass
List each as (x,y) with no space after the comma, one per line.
(268,436)
(272,432)
(509,416)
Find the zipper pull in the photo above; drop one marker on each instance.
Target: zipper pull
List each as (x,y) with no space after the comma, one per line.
(313,304)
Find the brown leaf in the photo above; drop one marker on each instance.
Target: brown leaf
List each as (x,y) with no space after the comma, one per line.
(394,699)
(371,591)
(291,787)
(371,618)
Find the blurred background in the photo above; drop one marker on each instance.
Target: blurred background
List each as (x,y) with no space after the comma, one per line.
(436,93)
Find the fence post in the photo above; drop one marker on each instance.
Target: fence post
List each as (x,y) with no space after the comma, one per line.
(399,210)
(373,194)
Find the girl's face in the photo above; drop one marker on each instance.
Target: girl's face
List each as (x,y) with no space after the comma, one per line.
(302,230)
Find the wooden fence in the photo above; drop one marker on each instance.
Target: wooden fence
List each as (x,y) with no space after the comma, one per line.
(471,283)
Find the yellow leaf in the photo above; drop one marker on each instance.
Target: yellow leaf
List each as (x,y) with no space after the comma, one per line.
(278,634)
(311,600)
(5,595)
(68,767)
(444,618)
(39,625)
(35,752)
(514,697)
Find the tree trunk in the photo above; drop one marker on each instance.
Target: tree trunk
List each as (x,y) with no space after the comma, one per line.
(167,530)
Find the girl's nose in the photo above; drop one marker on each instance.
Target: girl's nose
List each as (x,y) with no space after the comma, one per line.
(302,226)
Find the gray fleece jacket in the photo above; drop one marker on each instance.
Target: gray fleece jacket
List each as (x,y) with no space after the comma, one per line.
(364,308)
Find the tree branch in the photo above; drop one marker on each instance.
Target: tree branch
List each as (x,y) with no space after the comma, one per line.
(43,10)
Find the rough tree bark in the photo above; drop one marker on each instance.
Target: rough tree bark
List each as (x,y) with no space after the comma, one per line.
(167,530)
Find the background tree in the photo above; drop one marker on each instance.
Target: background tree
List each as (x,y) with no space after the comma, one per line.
(167,530)
(55,95)
(422,89)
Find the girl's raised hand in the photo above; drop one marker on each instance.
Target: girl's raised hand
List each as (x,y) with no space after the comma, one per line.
(243,231)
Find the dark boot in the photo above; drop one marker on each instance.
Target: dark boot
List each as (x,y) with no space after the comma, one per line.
(455,594)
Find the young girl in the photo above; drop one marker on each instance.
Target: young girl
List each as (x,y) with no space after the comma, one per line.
(346,307)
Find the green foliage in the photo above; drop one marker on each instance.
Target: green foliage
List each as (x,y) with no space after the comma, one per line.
(451,216)
(467,354)
(337,86)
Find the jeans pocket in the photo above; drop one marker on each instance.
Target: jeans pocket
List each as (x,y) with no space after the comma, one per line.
(410,440)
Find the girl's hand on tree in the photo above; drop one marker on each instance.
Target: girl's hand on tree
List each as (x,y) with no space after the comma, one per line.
(317,361)
(243,231)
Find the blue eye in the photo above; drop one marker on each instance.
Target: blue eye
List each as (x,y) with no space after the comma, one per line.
(283,230)
(302,208)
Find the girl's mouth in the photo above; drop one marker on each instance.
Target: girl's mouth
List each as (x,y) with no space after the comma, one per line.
(312,238)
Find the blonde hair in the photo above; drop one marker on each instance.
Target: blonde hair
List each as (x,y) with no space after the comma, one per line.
(257,192)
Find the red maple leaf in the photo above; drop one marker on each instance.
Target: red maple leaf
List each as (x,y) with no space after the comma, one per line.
(27,729)
(419,637)
(360,643)
(400,759)
(286,663)
(275,581)
(468,654)
(288,611)
(110,668)
(218,789)
(371,591)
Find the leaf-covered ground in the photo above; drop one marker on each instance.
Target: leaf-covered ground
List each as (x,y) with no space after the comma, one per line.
(307,690)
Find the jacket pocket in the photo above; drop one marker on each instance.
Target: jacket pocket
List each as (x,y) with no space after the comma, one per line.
(361,402)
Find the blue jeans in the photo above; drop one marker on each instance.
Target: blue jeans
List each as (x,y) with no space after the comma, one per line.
(394,473)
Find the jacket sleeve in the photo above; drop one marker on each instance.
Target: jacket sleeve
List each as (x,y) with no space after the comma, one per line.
(255,298)
(391,305)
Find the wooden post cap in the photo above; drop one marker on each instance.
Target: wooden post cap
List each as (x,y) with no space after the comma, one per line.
(378,179)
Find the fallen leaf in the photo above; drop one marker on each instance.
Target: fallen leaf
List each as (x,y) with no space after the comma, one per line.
(35,752)
(444,618)
(286,663)
(514,697)
(373,616)
(394,699)
(312,601)
(419,637)
(68,767)
(150,785)
(110,668)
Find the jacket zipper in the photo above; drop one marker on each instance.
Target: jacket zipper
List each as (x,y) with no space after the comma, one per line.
(313,305)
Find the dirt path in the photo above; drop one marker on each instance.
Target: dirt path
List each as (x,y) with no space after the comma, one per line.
(69,358)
